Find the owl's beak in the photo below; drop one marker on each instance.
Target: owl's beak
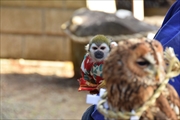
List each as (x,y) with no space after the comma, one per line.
(157,75)
(154,72)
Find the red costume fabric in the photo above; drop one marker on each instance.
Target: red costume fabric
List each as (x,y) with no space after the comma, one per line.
(91,74)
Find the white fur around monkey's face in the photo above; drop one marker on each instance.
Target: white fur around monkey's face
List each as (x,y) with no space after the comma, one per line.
(99,52)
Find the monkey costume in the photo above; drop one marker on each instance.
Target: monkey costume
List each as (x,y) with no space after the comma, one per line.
(91,75)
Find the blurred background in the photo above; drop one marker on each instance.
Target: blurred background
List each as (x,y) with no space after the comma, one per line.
(39,59)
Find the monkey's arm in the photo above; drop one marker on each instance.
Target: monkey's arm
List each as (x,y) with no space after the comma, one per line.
(86,82)
(86,67)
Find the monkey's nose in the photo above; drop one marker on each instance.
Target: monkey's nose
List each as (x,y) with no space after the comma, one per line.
(99,54)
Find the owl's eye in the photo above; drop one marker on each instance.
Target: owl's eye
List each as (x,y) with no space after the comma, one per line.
(142,62)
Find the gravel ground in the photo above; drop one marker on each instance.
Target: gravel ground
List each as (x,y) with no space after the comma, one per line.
(31,90)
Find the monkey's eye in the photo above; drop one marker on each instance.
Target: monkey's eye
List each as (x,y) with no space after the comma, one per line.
(142,62)
(102,48)
(94,48)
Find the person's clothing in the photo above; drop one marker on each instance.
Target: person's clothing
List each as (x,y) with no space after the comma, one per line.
(169,36)
(88,112)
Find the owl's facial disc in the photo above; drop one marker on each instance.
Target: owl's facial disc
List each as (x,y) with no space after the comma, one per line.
(149,64)
(145,65)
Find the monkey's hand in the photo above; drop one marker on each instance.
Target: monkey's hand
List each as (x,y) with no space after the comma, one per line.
(101,85)
(86,86)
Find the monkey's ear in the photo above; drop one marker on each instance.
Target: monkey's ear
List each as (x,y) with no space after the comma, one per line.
(113,44)
(87,47)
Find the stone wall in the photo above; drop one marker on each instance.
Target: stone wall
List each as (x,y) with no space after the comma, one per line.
(31,29)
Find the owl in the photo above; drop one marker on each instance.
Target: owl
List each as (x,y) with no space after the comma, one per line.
(132,72)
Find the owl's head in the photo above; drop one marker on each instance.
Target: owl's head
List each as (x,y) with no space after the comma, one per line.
(139,59)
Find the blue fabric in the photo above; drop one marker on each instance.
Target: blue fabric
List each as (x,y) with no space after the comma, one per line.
(96,115)
(169,36)
(88,112)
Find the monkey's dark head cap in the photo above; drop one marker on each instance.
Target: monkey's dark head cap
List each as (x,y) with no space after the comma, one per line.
(100,39)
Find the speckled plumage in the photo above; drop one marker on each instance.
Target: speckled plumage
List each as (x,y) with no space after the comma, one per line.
(133,71)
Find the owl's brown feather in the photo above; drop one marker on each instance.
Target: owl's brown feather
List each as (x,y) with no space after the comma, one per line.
(133,71)
(168,101)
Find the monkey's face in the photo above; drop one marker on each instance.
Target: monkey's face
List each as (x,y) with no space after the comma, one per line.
(99,51)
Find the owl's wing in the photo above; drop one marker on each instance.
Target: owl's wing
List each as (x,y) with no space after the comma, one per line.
(173,96)
(169,103)
(153,114)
